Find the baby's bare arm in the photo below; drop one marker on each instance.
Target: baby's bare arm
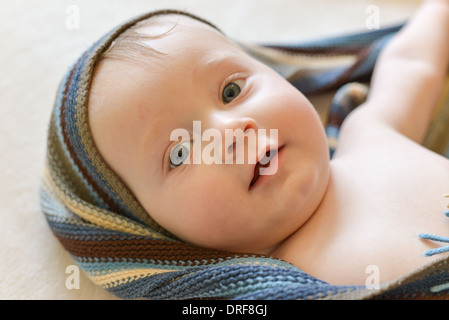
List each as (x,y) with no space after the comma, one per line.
(408,77)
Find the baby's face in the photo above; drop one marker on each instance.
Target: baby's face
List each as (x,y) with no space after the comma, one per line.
(201,76)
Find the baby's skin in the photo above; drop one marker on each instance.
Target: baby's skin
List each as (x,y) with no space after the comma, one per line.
(333,219)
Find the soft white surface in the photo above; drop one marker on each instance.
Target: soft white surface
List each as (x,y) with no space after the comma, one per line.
(36,47)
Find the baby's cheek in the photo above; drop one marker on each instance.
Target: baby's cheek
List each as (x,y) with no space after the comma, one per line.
(211,216)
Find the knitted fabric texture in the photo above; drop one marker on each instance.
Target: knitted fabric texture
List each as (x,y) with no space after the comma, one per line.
(117,244)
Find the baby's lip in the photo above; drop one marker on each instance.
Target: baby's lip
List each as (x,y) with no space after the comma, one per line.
(264,161)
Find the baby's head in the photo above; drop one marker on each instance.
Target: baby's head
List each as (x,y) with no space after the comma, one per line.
(173,71)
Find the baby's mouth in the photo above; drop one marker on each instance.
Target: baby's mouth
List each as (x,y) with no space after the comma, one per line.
(262,165)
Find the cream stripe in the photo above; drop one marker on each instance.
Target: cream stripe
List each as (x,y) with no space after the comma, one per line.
(110,280)
(97,216)
(305,61)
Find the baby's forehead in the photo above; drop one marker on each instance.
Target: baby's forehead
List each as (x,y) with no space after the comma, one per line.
(158,50)
(171,33)
(179,46)
(159,42)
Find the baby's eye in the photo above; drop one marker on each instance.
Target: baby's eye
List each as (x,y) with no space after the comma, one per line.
(179,154)
(232,90)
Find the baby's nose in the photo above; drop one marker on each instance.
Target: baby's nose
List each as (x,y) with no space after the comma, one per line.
(243,124)
(241,140)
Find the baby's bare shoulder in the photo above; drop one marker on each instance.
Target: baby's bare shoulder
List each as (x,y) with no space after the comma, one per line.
(363,137)
(362,129)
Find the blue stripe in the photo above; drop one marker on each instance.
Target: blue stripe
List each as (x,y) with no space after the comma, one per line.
(220,281)
(353,40)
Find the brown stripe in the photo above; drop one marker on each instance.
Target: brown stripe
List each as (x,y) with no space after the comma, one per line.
(318,51)
(346,74)
(175,253)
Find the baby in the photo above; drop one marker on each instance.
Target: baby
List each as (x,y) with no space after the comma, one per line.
(332,219)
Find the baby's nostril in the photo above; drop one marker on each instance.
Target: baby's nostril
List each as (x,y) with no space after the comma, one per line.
(231,148)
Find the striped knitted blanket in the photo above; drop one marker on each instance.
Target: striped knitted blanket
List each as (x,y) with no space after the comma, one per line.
(116,243)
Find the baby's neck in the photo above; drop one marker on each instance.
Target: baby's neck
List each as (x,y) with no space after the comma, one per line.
(278,250)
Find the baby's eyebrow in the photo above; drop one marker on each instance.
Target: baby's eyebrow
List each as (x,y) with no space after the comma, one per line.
(150,144)
(219,59)
(215,59)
